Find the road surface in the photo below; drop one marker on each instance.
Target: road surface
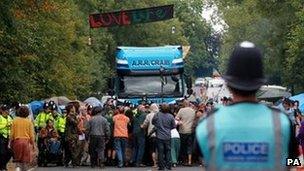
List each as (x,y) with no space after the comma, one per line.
(118,169)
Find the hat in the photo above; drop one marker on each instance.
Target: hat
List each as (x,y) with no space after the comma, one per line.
(96,110)
(245,68)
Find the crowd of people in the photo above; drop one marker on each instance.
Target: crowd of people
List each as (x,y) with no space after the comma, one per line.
(109,135)
(243,135)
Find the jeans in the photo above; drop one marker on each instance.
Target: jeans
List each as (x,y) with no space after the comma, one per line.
(5,154)
(164,153)
(120,148)
(138,149)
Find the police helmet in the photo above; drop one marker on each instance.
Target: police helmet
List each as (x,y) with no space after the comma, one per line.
(245,68)
(51,103)
(53,107)
(45,105)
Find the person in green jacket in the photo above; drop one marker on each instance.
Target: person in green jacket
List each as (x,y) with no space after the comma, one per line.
(138,136)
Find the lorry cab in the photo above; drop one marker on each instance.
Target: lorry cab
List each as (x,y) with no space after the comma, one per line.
(154,74)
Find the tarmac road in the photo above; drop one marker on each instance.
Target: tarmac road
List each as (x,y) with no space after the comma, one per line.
(119,169)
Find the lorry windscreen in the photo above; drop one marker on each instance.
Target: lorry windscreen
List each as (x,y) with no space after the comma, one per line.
(150,85)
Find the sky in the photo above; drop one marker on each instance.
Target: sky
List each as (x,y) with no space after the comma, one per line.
(217,23)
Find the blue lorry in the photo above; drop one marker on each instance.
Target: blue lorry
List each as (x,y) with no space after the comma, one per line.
(151,74)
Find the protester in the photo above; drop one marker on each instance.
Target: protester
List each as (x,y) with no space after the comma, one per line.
(151,135)
(300,137)
(138,136)
(71,137)
(175,146)
(120,135)
(49,127)
(22,139)
(186,116)
(54,149)
(83,119)
(164,122)
(288,109)
(200,114)
(109,113)
(42,147)
(98,131)
(5,126)
(44,135)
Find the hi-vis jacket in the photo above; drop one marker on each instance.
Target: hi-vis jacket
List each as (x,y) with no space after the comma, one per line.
(5,126)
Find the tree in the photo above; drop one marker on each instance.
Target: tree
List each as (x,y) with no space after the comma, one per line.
(273,25)
(47,48)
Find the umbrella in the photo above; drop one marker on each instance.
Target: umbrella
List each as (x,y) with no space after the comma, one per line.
(272,94)
(60,100)
(93,101)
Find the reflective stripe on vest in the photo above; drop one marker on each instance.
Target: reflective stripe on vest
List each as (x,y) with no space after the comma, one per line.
(278,143)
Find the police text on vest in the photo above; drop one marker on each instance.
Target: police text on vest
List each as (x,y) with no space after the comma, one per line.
(245,151)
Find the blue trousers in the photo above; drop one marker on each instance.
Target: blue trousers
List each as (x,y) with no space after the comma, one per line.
(120,148)
(164,153)
(138,149)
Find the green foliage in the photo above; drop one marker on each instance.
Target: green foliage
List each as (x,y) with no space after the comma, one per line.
(275,26)
(45,50)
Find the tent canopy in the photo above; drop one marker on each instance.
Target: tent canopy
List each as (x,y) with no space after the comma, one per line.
(272,93)
(36,106)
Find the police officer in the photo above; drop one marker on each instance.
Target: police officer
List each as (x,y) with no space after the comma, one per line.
(58,119)
(246,135)
(5,124)
(60,124)
(42,117)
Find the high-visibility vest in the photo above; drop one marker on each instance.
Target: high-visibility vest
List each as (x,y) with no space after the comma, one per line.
(5,126)
(60,124)
(41,119)
(245,136)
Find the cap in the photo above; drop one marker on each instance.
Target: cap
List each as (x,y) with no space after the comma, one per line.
(245,68)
